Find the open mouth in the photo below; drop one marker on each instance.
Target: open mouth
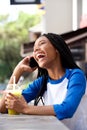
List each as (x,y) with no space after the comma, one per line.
(40,56)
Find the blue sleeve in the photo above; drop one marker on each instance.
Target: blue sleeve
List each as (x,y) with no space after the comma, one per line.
(75,91)
(31,91)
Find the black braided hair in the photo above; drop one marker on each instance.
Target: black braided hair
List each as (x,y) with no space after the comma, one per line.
(66,59)
(66,56)
(44,73)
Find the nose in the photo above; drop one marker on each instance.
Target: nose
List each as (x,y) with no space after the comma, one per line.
(36,49)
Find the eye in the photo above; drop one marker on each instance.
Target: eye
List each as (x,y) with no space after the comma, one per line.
(41,43)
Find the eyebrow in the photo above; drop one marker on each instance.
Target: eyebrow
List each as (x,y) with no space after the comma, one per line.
(39,42)
(42,40)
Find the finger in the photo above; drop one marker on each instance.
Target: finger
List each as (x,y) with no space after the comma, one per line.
(7,103)
(11,96)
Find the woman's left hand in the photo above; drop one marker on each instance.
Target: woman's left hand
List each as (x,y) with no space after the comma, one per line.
(16,103)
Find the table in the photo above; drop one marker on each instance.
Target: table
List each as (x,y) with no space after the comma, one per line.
(29,122)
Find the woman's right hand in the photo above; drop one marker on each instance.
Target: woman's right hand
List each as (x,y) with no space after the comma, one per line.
(23,66)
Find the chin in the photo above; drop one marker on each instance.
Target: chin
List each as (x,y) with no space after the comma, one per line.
(42,66)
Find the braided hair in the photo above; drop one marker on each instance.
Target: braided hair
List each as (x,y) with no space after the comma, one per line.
(66,59)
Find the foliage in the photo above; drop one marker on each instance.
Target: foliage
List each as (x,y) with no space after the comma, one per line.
(12,35)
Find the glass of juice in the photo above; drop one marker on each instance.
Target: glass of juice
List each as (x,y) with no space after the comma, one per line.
(16,91)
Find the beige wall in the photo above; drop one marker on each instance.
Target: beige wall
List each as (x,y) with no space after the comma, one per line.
(58,17)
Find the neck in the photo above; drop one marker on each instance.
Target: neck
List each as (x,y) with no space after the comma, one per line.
(56,73)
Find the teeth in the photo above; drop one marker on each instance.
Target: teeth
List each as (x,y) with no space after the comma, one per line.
(40,55)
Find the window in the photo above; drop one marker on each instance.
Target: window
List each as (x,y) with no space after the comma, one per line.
(24,1)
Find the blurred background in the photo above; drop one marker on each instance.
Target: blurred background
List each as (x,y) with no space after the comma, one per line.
(23,21)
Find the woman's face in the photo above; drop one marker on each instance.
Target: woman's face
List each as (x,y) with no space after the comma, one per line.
(44,52)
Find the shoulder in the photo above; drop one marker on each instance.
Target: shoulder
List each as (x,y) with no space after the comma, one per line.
(76,72)
(77,76)
(35,85)
(38,81)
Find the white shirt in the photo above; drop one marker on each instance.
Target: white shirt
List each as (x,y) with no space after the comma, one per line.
(56,92)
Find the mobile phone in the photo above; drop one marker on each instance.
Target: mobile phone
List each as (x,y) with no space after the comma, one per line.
(33,63)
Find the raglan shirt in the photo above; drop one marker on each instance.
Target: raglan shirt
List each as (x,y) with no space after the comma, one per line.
(64,94)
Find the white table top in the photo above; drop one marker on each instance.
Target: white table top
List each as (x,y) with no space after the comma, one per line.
(30,122)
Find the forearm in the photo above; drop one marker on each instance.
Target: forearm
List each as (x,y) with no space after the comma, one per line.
(22,67)
(39,110)
(16,73)
(11,80)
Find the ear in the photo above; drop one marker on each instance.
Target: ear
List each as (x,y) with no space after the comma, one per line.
(56,51)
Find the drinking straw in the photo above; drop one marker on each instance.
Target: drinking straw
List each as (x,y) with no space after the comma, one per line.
(14,82)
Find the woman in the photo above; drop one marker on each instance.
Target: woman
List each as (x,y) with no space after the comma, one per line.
(60,83)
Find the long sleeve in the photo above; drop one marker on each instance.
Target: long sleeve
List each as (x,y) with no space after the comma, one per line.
(75,91)
(31,91)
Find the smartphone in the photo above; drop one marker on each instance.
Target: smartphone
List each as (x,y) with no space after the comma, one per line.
(33,63)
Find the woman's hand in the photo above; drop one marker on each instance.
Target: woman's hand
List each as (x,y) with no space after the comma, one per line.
(16,103)
(20,105)
(23,66)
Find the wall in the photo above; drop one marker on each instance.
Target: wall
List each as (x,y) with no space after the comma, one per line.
(58,17)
